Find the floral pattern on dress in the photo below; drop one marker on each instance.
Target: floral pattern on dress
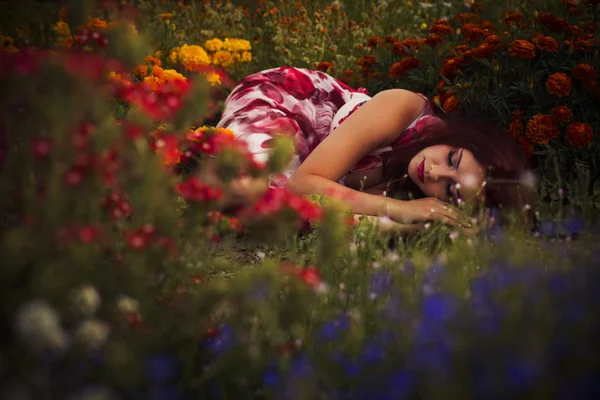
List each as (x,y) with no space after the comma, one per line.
(297,102)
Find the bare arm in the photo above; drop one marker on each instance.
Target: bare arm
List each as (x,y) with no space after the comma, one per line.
(377,123)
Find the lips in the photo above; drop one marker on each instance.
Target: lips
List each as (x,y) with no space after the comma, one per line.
(421,171)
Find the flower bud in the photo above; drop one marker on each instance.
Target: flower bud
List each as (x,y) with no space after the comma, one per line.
(92,334)
(85,300)
(38,325)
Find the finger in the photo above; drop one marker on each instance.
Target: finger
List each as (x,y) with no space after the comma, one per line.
(451,211)
(450,217)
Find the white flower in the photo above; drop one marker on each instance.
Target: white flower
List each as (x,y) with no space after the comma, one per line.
(85,300)
(126,304)
(37,324)
(94,393)
(92,333)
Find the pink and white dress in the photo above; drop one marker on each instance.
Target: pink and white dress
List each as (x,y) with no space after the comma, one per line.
(306,104)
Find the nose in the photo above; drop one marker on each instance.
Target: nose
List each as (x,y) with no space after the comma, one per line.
(438,172)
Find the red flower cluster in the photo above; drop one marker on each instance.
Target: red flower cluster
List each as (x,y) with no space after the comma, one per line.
(276,200)
(309,275)
(194,190)
(145,235)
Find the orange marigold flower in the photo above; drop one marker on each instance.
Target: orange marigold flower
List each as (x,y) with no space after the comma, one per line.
(559,84)
(541,128)
(407,63)
(325,66)
(441,29)
(482,51)
(546,43)
(467,17)
(526,146)
(410,44)
(434,40)
(518,115)
(472,32)
(584,72)
(579,134)
(152,60)
(562,113)
(375,41)
(513,17)
(553,23)
(461,48)
(515,128)
(451,104)
(451,65)
(522,48)
(586,45)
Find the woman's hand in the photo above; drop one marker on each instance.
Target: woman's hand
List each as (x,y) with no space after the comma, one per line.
(424,210)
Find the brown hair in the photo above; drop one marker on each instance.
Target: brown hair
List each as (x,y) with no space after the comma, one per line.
(507,165)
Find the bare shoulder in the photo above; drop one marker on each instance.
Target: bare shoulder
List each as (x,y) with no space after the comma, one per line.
(403,99)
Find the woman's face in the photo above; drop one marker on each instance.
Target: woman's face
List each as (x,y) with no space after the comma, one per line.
(447,173)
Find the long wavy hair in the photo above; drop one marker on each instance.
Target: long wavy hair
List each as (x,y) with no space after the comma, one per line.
(508,180)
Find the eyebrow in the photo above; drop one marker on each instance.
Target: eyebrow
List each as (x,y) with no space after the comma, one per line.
(457,192)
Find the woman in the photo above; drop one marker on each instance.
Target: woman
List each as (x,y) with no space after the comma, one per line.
(361,147)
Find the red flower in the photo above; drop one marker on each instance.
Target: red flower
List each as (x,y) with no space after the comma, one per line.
(553,23)
(41,147)
(579,134)
(562,113)
(88,234)
(400,68)
(193,189)
(559,84)
(541,128)
(584,72)
(546,43)
(136,240)
(309,275)
(434,40)
(523,49)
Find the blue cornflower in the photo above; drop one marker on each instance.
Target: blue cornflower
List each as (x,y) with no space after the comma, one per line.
(582,387)
(401,384)
(393,311)
(372,353)
(380,281)
(575,225)
(161,368)
(521,374)
(431,357)
(548,228)
(439,307)
(271,377)
(332,329)
(300,366)
(166,393)
(222,341)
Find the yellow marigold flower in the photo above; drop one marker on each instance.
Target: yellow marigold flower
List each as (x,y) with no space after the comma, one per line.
(118,78)
(236,45)
(213,44)
(221,58)
(213,79)
(7,44)
(160,76)
(62,14)
(62,29)
(152,60)
(165,16)
(246,56)
(190,56)
(131,26)
(96,23)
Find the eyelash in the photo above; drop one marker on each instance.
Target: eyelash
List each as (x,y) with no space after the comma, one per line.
(450,164)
